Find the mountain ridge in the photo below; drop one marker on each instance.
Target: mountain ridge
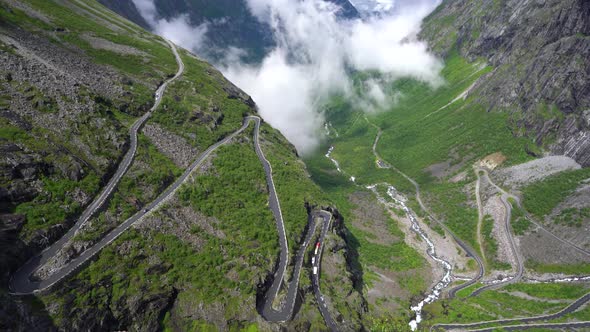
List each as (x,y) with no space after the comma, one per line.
(229,23)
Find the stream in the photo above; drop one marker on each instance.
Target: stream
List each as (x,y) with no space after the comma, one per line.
(334,161)
(436,291)
(400,200)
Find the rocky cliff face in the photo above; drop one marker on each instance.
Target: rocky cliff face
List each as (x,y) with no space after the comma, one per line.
(540,52)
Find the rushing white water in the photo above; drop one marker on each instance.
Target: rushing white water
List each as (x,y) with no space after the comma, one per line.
(400,200)
(498,281)
(329,156)
(431,251)
(329,129)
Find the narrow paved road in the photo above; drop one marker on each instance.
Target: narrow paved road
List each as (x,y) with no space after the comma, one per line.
(522,327)
(288,304)
(513,247)
(574,306)
(467,248)
(317,263)
(20,283)
(508,229)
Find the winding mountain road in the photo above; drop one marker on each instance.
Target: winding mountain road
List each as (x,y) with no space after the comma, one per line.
(287,305)
(508,229)
(467,248)
(513,247)
(20,283)
(521,327)
(317,263)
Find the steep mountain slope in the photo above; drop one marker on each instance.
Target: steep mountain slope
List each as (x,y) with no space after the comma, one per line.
(74,79)
(63,109)
(229,23)
(539,51)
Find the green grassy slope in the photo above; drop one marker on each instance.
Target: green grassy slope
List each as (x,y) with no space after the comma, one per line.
(202,106)
(540,198)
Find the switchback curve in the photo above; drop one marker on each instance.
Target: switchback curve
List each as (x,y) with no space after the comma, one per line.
(19,283)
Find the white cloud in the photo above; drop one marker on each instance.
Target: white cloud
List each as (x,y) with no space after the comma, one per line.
(314,55)
(316,50)
(178,29)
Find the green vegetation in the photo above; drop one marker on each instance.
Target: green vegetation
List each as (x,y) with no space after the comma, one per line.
(198,107)
(540,198)
(149,174)
(239,199)
(450,201)
(388,324)
(143,183)
(230,244)
(57,204)
(203,326)
(420,130)
(71,161)
(465,292)
(77,25)
(519,222)
(573,216)
(397,256)
(353,150)
(394,256)
(571,269)
(222,262)
(550,291)
(294,188)
(582,314)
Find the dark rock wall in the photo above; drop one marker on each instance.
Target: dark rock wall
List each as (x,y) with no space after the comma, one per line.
(540,51)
